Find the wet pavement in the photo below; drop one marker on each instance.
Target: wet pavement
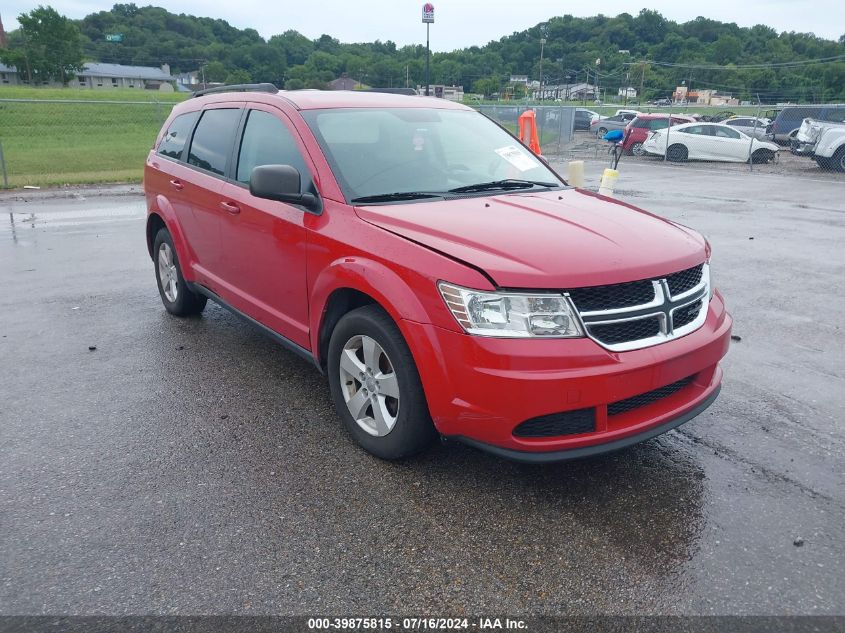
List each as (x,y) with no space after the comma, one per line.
(193,466)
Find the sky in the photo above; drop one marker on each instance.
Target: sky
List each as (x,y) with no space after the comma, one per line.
(459,23)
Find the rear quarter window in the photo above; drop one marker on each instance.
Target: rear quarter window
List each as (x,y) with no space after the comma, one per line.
(177,135)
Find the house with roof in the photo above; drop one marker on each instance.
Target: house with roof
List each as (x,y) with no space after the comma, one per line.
(102,77)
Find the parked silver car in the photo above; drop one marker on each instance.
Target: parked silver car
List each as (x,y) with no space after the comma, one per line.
(746,125)
(616,122)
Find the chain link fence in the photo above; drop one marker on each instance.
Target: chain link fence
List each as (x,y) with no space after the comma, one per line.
(55,142)
(48,142)
(742,140)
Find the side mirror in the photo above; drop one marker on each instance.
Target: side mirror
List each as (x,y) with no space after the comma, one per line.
(281,183)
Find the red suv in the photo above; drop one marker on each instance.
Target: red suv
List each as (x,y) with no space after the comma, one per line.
(446,280)
(638,130)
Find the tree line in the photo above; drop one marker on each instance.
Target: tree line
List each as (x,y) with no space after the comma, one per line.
(644,51)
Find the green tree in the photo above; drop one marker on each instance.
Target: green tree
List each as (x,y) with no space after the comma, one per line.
(238,76)
(50,46)
(486,86)
(216,72)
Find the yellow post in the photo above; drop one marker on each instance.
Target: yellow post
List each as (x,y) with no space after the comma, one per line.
(575,173)
(608,182)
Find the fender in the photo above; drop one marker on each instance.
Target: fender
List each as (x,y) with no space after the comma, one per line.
(372,278)
(164,210)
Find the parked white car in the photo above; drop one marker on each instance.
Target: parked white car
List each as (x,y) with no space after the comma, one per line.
(822,141)
(709,141)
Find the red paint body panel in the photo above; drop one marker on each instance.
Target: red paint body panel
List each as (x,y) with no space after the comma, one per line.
(500,383)
(280,265)
(556,239)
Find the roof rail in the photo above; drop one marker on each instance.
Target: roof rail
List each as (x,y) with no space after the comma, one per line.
(265,87)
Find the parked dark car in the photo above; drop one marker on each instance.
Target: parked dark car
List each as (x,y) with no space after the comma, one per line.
(784,128)
(583,119)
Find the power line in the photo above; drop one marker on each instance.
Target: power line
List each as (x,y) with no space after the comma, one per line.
(805,62)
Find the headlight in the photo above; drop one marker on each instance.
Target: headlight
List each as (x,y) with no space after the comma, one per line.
(514,315)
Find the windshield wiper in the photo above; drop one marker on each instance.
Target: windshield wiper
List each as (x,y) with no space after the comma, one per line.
(510,183)
(398,195)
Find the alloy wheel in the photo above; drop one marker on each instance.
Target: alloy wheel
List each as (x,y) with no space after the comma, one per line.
(369,385)
(167,275)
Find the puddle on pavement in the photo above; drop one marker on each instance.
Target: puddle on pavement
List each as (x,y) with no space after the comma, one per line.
(17,219)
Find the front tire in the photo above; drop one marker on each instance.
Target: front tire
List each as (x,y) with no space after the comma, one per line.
(177,297)
(376,387)
(762,156)
(602,131)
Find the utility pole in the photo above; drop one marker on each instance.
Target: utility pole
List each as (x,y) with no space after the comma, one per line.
(428,19)
(642,82)
(598,89)
(542,46)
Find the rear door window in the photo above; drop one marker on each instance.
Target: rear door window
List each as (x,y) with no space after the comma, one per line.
(267,141)
(212,142)
(658,124)
(723,132)
(177,135)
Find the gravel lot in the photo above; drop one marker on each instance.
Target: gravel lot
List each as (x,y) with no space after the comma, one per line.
(187,467)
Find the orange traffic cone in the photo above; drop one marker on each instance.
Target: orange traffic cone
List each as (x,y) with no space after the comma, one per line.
(528,131)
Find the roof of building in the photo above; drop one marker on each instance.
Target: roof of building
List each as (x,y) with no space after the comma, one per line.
(114,70)
(128,72)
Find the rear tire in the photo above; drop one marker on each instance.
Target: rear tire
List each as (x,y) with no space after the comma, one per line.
(376,387)
(177,297)
(837,163)
(602,131)
(677,153)
(637,149)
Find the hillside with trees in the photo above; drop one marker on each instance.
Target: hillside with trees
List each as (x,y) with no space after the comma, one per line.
(646,49)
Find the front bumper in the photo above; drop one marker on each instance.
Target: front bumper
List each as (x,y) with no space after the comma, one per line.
(480,389)
(596,449)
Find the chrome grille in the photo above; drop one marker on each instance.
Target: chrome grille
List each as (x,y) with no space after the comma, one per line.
(627,330)
(612,296)
(681,282)
(638,314)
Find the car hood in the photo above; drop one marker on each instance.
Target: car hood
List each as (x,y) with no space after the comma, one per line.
(555,239)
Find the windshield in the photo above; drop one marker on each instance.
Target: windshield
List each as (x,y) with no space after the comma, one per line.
(382,152)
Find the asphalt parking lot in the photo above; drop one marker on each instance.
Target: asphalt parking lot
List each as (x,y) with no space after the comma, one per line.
(192,466)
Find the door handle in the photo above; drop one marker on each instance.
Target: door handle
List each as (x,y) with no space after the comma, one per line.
(231,207)
(177,184)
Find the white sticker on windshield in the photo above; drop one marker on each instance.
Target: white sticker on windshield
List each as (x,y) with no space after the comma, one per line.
(516,157)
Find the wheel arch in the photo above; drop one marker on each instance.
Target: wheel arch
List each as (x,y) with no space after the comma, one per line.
(162,216)
(351,283)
